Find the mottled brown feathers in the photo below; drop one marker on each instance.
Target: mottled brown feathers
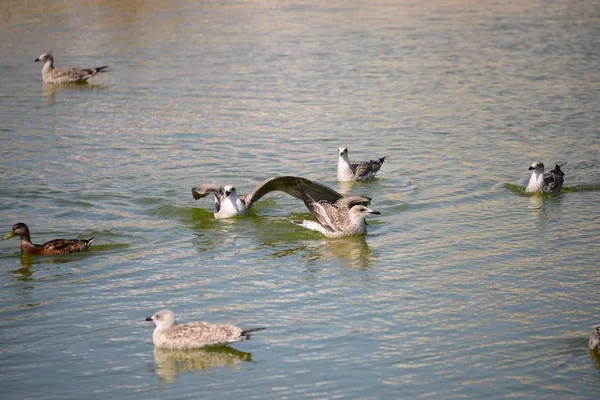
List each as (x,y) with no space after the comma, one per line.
(53,247)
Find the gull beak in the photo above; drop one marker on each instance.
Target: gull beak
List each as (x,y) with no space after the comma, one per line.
(530,168)
(37,59)
(148,319)
(374,212)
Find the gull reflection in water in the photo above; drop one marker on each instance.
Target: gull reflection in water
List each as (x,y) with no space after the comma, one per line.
(595,355)
(50,90)
(354,250)
(540,201)
(169,363)
(537,205)
(346,187)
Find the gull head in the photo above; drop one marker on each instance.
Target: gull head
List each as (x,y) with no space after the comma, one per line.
(343,152)
(163,319)
(44,57)
(537,166)
(229,191)
(19,229)
(359,212)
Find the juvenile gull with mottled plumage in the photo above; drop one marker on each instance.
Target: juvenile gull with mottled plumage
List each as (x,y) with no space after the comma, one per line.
(343,217)
(228,205)
(348,171)
(170,335)
(65,75)
(550,182)
(594,342)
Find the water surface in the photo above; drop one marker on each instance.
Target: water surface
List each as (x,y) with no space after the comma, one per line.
(464,286)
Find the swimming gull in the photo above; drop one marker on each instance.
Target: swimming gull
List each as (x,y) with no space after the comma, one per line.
(228,205)
(594,342)
(550,182)
(65,75)
(53,247)
(343,217)
(348,171)
(170,335)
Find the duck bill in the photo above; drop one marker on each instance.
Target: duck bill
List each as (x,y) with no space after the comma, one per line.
(8,235)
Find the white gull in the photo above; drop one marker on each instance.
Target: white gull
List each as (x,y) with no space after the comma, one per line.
(348,171)
(550,182)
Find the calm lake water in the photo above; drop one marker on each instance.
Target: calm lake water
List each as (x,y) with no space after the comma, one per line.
(464,286)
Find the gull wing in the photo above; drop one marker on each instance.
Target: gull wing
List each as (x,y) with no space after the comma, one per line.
(595,338)
(70,75)
(204,333)
(321,210)
(204,190)
(553,181)
(368,167)
(294,186)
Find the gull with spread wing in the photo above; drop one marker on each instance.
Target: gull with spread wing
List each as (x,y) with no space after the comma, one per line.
(343,217)
(228,204)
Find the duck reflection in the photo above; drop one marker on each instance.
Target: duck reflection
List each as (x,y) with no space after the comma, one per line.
(169,363)
(353,250)
(24,273)
(26,262)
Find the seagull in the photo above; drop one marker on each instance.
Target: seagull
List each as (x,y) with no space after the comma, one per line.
(550,182)
(356,172)
(595,339)
(170,335)
(342,217)
(228,204)
(53,247)
(65,75)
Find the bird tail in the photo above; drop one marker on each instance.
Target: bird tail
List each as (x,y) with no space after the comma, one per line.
(245,334)
(88,242)
(312,225)
(381,160)
(100,69)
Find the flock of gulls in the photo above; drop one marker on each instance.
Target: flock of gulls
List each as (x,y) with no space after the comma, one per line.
(336,216)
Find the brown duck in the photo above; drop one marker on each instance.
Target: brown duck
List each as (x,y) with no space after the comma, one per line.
(53,247)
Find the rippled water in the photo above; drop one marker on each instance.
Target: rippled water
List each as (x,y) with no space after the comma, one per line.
(464,286)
